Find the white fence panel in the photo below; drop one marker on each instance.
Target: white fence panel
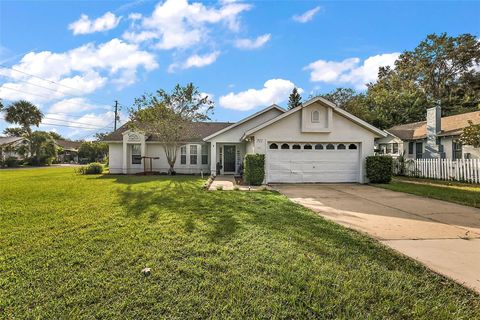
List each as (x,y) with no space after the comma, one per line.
(466,170)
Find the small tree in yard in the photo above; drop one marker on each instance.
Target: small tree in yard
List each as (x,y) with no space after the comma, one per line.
(168,117)
(295,99)
(25,114)
(471,135)
(93,150)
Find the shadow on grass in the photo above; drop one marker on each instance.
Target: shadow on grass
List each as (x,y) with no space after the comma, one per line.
(223,214)
(178,197)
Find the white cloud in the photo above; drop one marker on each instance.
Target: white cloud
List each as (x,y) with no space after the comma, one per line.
(73,105)
(273,91)
(350,71)
(195,61)
(84,25)
(135,16)
(330,71)
(177,24)
(307,16)
(253,43)
(86,69)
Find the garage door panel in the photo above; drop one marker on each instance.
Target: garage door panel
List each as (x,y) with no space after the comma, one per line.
(297,166)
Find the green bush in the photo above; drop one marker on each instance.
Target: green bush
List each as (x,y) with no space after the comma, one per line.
(92,168)
(11,162)
(379,169)
(254,169)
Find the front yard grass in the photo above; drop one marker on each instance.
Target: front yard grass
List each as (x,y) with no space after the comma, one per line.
(73,246)
(461,193)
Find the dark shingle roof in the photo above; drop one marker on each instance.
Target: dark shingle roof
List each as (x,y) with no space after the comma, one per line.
(451,126)
(69,145)
(9,140)
(197,131)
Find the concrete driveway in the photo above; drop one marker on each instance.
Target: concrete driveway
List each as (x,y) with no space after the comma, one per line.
(443,236)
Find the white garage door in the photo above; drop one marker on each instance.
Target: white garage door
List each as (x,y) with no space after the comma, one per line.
(313,162)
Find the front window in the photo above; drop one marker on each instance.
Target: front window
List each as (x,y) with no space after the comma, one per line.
(410,147)
(193,154)
(457,150)
(204,154)
(136,154)
(395,148)
(316,116)
(419,150)
(388,148)
(183,155)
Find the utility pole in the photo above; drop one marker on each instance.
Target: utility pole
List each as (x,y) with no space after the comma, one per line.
(116,116)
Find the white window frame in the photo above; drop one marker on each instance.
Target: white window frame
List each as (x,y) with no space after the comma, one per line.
(193,147)
(204,152)
(132,147)
(315,116)
(183,153)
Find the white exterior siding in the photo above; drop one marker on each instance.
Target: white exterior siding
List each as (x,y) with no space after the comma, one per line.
(235,135)
(343,130)
(390,140)
(115,156)
(161,165)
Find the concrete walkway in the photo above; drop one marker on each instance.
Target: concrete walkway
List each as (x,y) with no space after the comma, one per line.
(227,182)
(443,236)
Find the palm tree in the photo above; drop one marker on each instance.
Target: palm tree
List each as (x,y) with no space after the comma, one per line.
(25,114)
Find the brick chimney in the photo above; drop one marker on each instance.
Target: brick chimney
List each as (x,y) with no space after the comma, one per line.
(434,127)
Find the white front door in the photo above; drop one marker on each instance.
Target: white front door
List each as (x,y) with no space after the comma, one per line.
(313,162)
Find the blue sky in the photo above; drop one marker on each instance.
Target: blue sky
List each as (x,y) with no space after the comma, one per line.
(246,55)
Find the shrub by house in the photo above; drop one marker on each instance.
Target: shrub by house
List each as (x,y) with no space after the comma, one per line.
(379,169)
(254,169)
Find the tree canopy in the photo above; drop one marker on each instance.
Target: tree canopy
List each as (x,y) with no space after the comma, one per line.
(168,116)
(295,99)
(471,135)
(24,114)
(441,71)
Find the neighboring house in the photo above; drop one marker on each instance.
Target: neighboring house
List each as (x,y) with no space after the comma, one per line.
(435,138)
(70,151)
(8,147)
(315,142)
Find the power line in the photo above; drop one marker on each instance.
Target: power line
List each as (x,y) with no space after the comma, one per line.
(41,96)
(69,121)
(45,97)
(68,126)
(56,90)
(50,81)
(104,128)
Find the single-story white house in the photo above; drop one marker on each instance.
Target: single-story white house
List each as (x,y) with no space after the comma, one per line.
(437,137)
(315,142)
(8,147)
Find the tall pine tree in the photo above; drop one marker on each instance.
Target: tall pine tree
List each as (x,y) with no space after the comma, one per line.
(295,99)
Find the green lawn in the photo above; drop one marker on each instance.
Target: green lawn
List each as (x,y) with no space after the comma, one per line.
(462,193)
(73,246)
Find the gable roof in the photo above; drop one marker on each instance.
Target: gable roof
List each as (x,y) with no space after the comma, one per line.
(273,106)
(197,132)
(69,145)
(9,140)
(344,113)
(451,126)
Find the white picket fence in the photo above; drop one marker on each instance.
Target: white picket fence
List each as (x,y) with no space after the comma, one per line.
(465,170)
